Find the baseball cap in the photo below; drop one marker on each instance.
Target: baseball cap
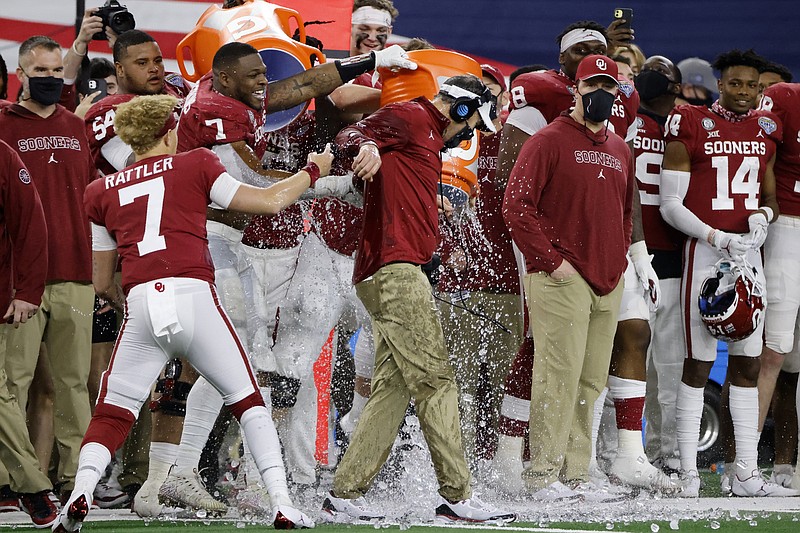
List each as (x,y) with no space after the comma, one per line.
(696,71)
(493,72)
(597,65)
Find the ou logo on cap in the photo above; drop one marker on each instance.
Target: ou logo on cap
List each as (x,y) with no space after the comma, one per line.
(601,63)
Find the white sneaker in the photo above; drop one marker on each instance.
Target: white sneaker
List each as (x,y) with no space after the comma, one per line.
(554,492)
(638,472)
(594,493)
(72,515)
(506,471)
(757,486)
(725,483)
(782,475)
(287,517)
(355,508)
(690,486)
(188,491)
(145,503)
(106,496)
(472,510)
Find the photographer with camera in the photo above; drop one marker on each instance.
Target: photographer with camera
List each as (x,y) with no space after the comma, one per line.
(100,24)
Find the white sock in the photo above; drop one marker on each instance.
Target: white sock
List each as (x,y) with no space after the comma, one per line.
(92,463)
(202,409)
(597,415)
(349,421)
(162,457)
(744,413)
(689,411)
(260,434)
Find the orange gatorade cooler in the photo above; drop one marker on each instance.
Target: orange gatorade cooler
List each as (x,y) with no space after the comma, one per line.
(268,28)
(459,165)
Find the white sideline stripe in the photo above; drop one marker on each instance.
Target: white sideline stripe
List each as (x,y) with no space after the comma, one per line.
(513,528)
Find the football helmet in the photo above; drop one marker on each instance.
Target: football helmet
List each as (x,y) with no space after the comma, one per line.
(732,301)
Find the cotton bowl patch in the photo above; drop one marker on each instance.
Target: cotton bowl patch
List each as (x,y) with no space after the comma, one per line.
(24,177)
(767,124)
(708,123)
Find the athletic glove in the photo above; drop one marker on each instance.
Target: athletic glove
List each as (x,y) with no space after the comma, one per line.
(393,57)
(731,245)
(644,271)
(758,229)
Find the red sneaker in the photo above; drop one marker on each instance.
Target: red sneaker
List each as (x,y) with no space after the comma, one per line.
(40,507)
(9,500)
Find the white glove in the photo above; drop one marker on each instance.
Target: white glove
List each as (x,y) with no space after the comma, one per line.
(334,185)
(731,245)
(644,271)
(758,229)
(393,57)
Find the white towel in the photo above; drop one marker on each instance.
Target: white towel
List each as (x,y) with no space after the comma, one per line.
(162,308)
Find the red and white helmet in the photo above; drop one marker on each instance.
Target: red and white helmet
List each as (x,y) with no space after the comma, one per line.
(732,301)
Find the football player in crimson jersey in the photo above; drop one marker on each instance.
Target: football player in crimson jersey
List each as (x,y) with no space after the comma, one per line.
(537,98)
(658,85)
(718,188)
(140,70)
(168,292)
(781,263)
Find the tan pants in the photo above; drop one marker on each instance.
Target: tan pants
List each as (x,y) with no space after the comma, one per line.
(410,361)
(64,324)
(573,334)
(473,341)
(16,451)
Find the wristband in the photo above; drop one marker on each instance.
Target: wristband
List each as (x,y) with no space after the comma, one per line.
(353,67)
(75,49)
(770,214)
(312,169)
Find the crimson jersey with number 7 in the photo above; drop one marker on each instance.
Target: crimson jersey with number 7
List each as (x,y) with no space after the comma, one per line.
(155,210)
(728,162)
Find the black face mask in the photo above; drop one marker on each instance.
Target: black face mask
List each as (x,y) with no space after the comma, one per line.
(651,84)
(597,105)
(463,135)
(45,90)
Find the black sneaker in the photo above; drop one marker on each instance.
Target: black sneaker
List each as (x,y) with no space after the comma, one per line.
(40,507)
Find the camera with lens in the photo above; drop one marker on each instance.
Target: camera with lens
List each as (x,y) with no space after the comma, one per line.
(115,16)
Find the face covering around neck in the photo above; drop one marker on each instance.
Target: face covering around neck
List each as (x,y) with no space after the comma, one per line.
(597,105)
(464,134)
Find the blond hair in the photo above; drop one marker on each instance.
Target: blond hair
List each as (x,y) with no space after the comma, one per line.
(138,122)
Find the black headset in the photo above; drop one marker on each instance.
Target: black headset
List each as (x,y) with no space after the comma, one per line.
(463,107)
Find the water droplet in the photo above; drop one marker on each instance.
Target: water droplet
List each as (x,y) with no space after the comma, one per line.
(714,524)
(673,524)
(234,463)
(240,525)
(201,513)
(753,523)
(640,459)
(609,526)
(654,528)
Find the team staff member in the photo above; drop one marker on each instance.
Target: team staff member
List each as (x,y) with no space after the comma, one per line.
(169,297)
(703,196)
(52,143)
(571,174)
(24,231)
(397,150)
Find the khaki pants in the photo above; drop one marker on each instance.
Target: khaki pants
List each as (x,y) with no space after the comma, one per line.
(473,341)
(573,334)
(64,324)
(410,361)
(16,451)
